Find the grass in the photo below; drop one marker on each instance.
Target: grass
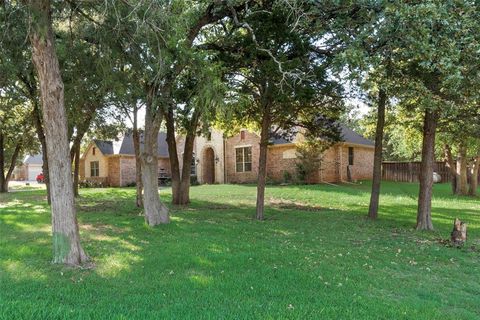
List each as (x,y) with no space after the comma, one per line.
(315,257)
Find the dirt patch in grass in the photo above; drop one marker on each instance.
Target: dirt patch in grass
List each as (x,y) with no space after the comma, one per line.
(293,205)
(103,206)
(100,228)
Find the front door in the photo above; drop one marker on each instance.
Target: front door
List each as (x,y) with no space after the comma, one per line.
(209,166)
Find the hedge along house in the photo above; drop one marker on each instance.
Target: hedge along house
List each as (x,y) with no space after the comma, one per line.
(348,160)
(112,163)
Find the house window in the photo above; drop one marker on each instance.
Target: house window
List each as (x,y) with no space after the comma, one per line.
(94,169)
(209,136)
(243,157)
(350,156)
(242,135)
(93,150)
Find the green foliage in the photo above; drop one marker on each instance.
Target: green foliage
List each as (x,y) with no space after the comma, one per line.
(309,157)
(91,184)
(16,126)
(272,70)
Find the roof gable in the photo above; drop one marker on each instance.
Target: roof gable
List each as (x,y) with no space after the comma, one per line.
(125,145)
(33,159)
(350,136)
(347,135)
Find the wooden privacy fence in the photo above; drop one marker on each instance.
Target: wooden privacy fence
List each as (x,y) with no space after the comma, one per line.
(409,171)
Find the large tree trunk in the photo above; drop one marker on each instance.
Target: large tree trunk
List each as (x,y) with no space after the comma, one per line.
(66,238)
(424,213)
(461,176)
(138,159)
(184,192)
(451,167)
(262,163)
(173,155)
(82,128)
(155,211)
(377,158)
(181,178)
(474,182)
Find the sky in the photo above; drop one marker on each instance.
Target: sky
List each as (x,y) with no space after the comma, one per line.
(360,106)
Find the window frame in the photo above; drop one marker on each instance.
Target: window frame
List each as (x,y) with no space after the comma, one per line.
(351,156)
(243,161)
(95,171)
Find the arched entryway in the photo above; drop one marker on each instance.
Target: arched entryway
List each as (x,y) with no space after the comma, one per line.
(209,166)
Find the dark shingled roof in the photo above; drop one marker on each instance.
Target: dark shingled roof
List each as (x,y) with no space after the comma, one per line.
(106,147)
(351,136)
(126,145)
(280,139)
(347,134)
(35,159)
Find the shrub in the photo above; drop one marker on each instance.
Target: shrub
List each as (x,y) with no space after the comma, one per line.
(91,184)
(194,180)
(309,158)
(287,177)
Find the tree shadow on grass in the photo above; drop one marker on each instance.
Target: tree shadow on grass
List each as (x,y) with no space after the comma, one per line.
(210,255)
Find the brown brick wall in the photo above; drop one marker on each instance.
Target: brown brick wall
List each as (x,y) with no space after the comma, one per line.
(362,163)
(127,164)
(20,173)
(164,163)
(329,165)
(251,139)
(122,171)
(113,177)
(333,166)
(277,164)
(81,169)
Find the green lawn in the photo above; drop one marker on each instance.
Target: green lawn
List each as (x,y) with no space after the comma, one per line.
(315,257)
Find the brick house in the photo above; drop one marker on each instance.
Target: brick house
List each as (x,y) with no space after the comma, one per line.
(112,163)
(219,159)
(235,159)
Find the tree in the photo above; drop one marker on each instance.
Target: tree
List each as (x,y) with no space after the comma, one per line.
(460,135)
(434,66)
(309,157)
(474,174)
(157,50)
(17,67)
(198,93)
(281,83)
(360,37)
(66,238)
(131,107)
(16,133)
